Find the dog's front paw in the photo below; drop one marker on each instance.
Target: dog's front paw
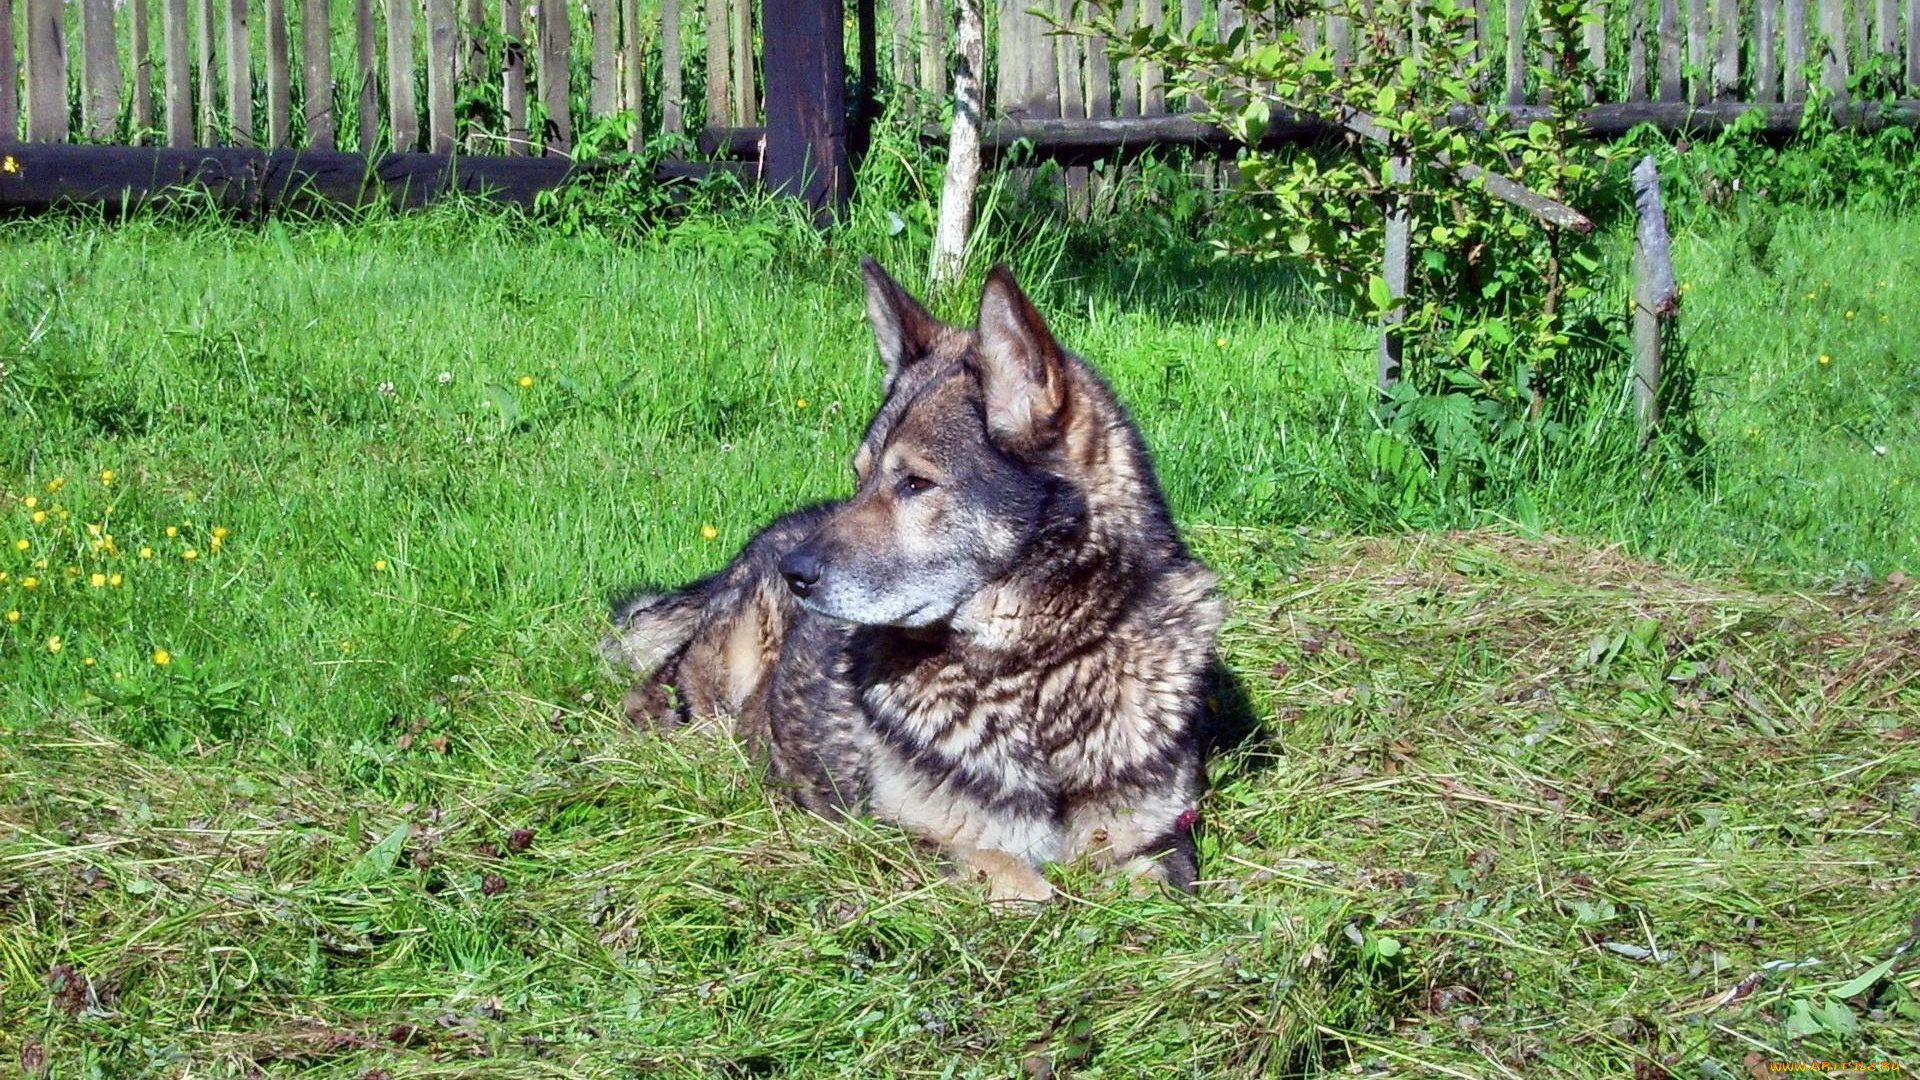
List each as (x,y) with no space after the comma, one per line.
(1009,878)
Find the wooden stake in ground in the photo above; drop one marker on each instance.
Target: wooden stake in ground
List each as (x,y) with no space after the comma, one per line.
(963,148)
(1655,298)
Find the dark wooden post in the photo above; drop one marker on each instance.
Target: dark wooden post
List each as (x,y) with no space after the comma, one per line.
(864,108)
(806,65)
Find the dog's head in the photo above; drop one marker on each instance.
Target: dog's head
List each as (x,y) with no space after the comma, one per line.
(972,460)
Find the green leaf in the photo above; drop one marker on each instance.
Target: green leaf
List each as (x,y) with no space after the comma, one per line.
(1837,1018)
(379,859)
(1253,120)
(1872,975)
(1379,293)
(1384,101)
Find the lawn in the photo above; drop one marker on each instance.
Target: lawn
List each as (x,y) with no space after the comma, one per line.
(307,763)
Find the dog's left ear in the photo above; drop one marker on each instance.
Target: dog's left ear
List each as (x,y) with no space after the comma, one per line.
(1023,374)
(902,327)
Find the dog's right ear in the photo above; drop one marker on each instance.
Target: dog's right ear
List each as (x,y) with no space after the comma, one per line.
(902,327)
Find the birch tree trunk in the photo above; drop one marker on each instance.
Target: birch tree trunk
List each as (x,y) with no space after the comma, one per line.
(963,149)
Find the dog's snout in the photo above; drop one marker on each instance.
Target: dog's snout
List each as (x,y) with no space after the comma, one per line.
(801,567)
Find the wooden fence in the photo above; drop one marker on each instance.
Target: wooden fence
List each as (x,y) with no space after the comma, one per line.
(476,80)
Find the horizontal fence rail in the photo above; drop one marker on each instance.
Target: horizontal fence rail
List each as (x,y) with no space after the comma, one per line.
(512,78)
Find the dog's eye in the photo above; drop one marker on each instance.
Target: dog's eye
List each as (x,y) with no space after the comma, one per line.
(915,485)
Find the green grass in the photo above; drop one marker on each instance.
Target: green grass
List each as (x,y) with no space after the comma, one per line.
(1524,806)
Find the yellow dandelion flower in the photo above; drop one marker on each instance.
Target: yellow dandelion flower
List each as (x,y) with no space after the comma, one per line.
(709,532)
(173,531)
(800,404)
(54,644)
(162,657)
(7,164)
(3,575)
(1220,343)
(346,646)
(214,544)
(115,580)
(39,516)
(526,381)
(31,501)
(54,485)
(98,581)
(190,553)
(146,553)
(1811,296)
(40,564)
(1825,359)
(14,615)
(1849,313)
(219,532)
(93,529)
(379,566)
(22,544)
(73,571)
(1686,286)
(29,582)
(88,661)
(106,477)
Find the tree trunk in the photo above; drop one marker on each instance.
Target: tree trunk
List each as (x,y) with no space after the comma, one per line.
(963,150)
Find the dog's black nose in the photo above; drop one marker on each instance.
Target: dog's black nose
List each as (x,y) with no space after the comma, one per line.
(801,568)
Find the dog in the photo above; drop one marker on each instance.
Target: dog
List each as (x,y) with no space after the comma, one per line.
(999,642)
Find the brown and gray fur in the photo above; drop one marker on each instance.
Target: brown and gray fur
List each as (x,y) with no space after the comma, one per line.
(998,642)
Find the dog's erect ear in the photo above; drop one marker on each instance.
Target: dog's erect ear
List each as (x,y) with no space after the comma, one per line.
(1023,374)
(902,327)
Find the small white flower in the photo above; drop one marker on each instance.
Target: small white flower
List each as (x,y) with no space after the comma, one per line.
(1879,451)
(445,377)
(386,389)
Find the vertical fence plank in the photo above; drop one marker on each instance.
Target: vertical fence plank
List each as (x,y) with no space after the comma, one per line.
(1594,33)
(204,67)
(279,75)
(1833,47)
(806,63)
(1668,35)
(1913,46)
(1129,68)
(174,28)
(9,78)
(933,48)
(1766,28)
(141,63)
(403,113)
(1699,67)
(239,75)
(1886,28)
(1099,79)
(746,103)
(603,88)
(1516,52)
(1796,50)
(900,26)
(1340,40)
(443,40)
(718,89)
(1026,83)
(1636,50)
(316,71)
(1153,89)
(470,68)
(556,44)
(635,101)
(1192,14)
(1070,66)
(513,76)
(366,75)
(672,88)
(100,69)
(1726,64)
(47,118)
